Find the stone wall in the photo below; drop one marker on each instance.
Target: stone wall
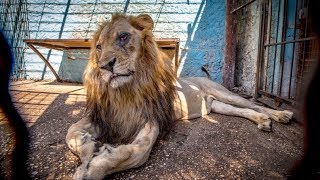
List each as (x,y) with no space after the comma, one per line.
(247,33)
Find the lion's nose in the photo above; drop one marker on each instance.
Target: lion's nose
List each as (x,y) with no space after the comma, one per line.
(109,66)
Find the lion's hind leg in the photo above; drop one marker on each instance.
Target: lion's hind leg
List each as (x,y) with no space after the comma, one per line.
(222,94)
(263,121)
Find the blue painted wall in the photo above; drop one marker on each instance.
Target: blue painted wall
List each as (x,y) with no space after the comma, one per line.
(200,25)
(206,41)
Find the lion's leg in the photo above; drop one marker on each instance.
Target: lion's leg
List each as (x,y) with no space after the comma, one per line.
(261,119)
(81,139)
(224,95)
(114,159)
(230,98)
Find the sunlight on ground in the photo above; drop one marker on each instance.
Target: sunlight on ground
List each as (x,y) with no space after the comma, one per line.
(31,105)
(32,98)
(210,119)
(73,99)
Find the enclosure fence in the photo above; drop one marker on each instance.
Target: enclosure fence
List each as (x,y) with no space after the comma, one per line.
(14,25)
(287,47)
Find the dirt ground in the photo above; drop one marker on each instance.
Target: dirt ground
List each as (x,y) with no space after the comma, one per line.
(218,147)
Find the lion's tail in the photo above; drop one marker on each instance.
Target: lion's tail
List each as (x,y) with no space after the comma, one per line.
(203,68)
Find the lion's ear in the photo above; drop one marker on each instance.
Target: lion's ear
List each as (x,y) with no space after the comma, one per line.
(143,21)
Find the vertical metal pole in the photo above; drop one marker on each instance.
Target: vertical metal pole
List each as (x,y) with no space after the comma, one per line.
(293,49)
(269,35)
(276,48)
(284,30)
(60,35)
(126,6)
(260,48)
(89,24)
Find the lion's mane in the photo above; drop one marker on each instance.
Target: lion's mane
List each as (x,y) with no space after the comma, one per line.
(120,113)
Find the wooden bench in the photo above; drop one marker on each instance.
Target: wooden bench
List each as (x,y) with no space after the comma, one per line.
(169,45)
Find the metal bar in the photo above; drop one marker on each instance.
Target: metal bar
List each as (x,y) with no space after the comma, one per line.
(60,34)
(269,35)
(260,49)
(125,7)
(292,41)
(64,19)
(91,17)
(45,61)
(242,6)
(284,29)
(293,49)
(276,48)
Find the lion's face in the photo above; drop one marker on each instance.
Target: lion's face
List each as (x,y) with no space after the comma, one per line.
(117,49)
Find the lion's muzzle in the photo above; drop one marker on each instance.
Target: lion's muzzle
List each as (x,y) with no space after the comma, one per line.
(109,66)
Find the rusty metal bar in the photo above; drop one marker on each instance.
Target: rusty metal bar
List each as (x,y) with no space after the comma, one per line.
(276,47)
(260,56)
(269,35)
(285,11)
(292,41)
(45,61)
(242,6)
(293,48)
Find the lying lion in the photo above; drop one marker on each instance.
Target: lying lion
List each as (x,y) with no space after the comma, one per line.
(132,97)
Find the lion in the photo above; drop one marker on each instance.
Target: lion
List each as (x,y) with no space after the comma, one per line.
(133,96)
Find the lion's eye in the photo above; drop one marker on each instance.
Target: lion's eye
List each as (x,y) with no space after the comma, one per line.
(98,46)
(123,36)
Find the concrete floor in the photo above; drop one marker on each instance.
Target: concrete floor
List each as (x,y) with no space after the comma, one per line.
(217,147)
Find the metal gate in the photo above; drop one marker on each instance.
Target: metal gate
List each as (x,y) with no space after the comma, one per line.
(287,49)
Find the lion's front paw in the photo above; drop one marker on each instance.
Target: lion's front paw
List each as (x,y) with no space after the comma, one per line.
(265,126)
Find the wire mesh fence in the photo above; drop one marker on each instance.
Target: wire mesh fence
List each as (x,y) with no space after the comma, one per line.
(14,24)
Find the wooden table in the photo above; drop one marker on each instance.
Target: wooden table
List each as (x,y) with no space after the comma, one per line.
(71,44)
